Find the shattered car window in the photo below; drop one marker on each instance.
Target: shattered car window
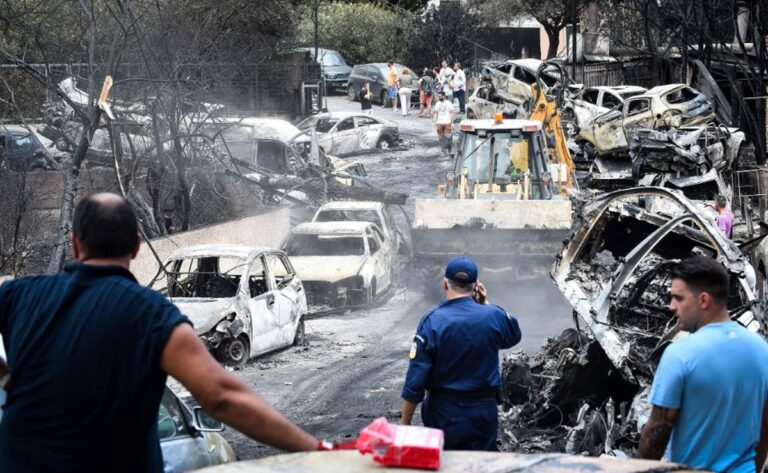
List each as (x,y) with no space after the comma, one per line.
(206,277)
(638,106)
(682,95)
(278,267)
(610,100)
(590,96)
(325,245)
(320,124)
(238,141)
(349,215)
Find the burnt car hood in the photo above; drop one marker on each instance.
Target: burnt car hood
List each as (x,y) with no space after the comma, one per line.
(204,313)
(327,268)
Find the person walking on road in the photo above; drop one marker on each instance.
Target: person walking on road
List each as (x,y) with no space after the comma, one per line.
(446,82)
(455,359)
(426,92)
(392,84)
(710,391)
(405,82)
(443,117)
(366,96)
(88,353)
(459,86)
(724,218)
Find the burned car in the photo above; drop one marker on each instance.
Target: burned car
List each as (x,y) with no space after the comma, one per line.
(243,301)
(586,391)
(23,149)
(483,103)
(662,107)
(591,102)
(341,263)
(345,133)
(361,211)
(512,80)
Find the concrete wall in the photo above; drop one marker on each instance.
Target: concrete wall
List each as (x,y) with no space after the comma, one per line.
(267,229)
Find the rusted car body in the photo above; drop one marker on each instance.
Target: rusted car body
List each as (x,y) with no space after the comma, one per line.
(591,102)
(512,80)
(667,106)
(341,263)
(362,211)
(243,301)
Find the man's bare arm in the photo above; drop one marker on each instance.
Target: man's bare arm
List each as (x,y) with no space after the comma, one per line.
(762,445)
(408,408)
(656,433)
(226,397)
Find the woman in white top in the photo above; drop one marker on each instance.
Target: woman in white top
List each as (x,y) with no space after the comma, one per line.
(404,81)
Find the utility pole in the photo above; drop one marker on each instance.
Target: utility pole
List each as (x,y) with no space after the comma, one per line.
(574,19)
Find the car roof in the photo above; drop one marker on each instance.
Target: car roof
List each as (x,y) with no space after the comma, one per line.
(619,88)
(530,63)
(229,251)
(265,128)
(352,205)
(663,89)
(506,124)
(341,228)
(17,129)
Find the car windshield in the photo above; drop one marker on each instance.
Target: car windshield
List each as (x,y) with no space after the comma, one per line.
(24,142)
(320,124)
(512,149)
(333,59)
(349,215)
(302,244)
(205,277)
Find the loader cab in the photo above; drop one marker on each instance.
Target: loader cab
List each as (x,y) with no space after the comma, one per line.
(501,159)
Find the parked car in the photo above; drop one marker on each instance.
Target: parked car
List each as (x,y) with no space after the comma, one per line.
(376,74)
(593,101)
(344,133)
(673,105)
(361,211)
(341,263)
(335,69)
(483,103)
(243,301)
(22,148)
(189,438)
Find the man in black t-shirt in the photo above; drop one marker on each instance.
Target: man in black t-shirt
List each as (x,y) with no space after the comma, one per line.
(89,351)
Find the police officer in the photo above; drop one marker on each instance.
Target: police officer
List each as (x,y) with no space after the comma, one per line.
(455,359)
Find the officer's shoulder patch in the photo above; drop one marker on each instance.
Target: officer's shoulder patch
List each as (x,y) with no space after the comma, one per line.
(412,353)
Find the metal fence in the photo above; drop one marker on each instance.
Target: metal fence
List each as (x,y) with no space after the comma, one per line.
(273,88)
(636,72)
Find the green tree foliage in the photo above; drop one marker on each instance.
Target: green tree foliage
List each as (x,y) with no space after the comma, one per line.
(362,32)
(444,33)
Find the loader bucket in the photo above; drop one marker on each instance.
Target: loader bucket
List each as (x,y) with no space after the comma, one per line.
(521,236)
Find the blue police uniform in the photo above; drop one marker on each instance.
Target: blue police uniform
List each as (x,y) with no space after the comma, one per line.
(455,358)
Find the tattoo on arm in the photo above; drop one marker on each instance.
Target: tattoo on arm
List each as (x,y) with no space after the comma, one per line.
(656,433)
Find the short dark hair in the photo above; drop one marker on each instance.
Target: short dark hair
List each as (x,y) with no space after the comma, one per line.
(390,62)
(460,286)
(105,229)
(721,201)
(442,92)
(703,274)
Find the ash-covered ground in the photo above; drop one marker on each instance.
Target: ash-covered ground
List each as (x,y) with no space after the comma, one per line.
(352,367)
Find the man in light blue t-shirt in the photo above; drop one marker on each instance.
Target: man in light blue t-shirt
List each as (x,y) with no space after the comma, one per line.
(710,389)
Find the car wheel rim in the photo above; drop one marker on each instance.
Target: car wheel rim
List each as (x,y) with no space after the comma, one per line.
(236,350)
(384,144)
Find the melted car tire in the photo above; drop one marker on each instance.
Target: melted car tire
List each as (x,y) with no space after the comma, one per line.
(385,142)
(234,352)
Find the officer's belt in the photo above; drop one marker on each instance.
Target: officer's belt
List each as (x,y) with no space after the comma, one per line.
(456,395)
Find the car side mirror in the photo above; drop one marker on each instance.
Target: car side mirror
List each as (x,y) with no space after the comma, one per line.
(206,423)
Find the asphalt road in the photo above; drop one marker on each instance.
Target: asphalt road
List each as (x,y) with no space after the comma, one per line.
(352,367)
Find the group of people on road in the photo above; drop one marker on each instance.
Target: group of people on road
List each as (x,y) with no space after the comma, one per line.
(85,374)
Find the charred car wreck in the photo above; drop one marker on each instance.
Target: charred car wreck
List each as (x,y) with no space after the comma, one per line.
(586,390)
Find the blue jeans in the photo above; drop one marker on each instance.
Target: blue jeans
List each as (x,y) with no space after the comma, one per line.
(467,425)
(392,92)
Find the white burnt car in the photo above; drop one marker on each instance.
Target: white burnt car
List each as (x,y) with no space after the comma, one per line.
(662,107)
(344,133)
(590,102)
(341,263)
(243,301)
(361,211)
